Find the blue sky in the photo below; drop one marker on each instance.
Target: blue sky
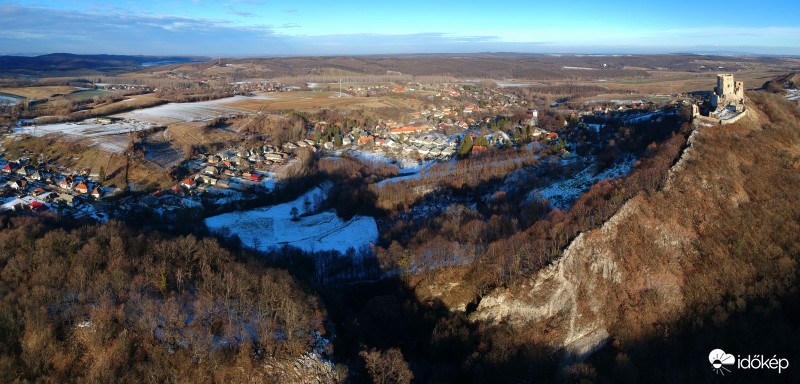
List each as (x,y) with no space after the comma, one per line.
(280,28)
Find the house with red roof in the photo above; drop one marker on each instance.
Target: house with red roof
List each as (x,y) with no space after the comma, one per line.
(82,188)
(189,183)
(10,167)
(405,130)
(255,177)
(364,140)
(38,206)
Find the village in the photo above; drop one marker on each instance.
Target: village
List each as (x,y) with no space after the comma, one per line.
(458,121)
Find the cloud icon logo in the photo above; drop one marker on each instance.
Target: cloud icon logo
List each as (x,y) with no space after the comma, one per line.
(718,359)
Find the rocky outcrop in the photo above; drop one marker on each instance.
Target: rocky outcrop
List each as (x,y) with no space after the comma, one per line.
(310,368)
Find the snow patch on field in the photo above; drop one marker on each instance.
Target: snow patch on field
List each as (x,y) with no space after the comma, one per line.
(109,137)
(183,112)
(564,192)
(10,100)
(267,227)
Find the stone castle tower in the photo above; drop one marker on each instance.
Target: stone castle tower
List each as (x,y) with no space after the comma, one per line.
(724,85)
(727,92)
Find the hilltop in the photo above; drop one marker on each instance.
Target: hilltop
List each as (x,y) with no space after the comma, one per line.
(708,261)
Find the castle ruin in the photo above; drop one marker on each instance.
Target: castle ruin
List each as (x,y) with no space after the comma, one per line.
(728,93)
(725,105)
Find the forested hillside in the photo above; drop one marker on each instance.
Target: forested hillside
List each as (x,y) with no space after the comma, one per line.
(102,303)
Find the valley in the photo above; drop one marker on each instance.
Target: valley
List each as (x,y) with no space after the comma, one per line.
(485,218)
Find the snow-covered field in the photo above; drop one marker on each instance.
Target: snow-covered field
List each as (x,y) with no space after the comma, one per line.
(109,137)
(506,84)
(267,227)
(9,100)
(181,112)
(564,192)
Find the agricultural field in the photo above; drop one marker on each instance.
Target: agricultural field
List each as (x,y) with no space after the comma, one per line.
(38,93)
(185,112)
(87,94)
(108,137)
(672,82)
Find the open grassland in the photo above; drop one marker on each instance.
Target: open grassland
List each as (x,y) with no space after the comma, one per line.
(195,133)
(307,101)
(134,102)
(38,93)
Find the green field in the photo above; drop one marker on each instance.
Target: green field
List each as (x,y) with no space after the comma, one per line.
(87,95)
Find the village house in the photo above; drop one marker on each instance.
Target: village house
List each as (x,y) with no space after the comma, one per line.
(365,140)
(189,183)
(38,206)
(82,188)
(67,183)
(17,184)
(211,170)
(10,167)
(24,171)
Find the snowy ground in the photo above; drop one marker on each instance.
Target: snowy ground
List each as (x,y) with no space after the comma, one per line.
(564,192)
(267,227)
(506,84)
(182,112)
(406,166)
(9,100)
(109,137)
(726,114)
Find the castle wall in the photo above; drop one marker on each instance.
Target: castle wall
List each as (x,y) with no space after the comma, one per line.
(733,119)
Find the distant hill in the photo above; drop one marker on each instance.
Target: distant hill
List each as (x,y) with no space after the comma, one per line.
(780,83)
(69,62)
(493,66)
